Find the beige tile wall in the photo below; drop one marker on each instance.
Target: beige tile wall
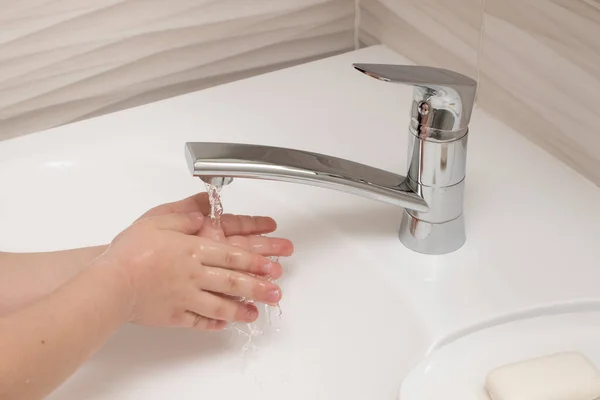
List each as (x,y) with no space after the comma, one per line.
(540,64)
(63,60)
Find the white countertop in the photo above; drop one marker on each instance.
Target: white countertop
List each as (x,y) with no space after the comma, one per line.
(533,225)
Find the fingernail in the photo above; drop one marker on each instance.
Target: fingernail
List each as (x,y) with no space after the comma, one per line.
(251,314)
(268,267)
(273,295)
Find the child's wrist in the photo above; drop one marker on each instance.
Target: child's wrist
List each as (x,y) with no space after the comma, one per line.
(118,285)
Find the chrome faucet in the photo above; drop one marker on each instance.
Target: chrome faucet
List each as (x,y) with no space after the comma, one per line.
(431,193)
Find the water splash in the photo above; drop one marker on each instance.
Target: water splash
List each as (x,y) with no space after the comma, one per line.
(252,331)
(249,330)
(273,309)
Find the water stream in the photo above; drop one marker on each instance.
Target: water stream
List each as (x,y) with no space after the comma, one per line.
(216,207)
(253,329)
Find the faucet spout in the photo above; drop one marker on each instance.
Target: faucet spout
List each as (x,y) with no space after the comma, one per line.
(233,160)
(433,189)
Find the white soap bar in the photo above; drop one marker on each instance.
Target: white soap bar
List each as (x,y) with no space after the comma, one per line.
(562,376)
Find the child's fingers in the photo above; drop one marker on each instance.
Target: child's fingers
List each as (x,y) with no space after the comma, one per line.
(216,307)
(263,245)
(196,321)
(238,284)
(223,255)
(247,225)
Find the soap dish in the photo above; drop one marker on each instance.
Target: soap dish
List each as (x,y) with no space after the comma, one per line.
(459,369)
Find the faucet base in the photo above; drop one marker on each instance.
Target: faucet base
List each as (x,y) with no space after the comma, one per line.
(432,238)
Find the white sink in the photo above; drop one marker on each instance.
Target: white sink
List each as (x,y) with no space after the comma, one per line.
(360,310)
(342,325)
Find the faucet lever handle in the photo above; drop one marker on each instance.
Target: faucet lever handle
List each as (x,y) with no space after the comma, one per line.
(443,99)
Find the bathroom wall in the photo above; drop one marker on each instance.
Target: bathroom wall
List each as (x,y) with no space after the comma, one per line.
(65,60)
(540,62)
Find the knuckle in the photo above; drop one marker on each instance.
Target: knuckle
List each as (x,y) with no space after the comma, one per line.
(178,318)
(198,321)
(233,282)
(192,252)
(202,325)
(220,311)
(200,245)
(185,300)
(230,258)
(250,224)
(197,275)
(235,241)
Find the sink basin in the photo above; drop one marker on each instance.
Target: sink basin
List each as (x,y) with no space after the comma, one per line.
(360,310)
(341,325)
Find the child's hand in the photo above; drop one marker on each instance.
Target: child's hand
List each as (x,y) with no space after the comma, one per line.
(240,230)
(177,278)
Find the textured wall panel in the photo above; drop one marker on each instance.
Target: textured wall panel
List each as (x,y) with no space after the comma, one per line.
(64,60)
(540,64)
